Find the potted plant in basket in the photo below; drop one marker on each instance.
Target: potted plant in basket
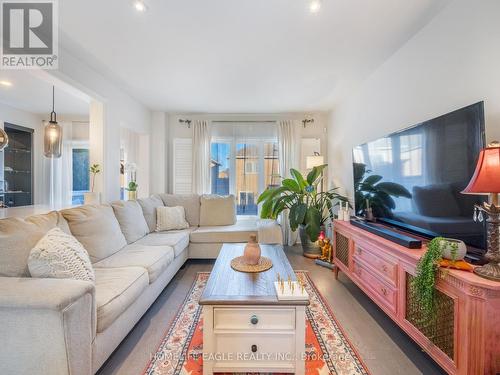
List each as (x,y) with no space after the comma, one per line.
(92,197)
(308,208)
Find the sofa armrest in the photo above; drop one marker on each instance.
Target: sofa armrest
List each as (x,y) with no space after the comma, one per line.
(47,326)
(269,232)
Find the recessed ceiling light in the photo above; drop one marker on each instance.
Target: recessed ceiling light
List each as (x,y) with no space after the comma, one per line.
(5,83)
(140,5)
(314,6)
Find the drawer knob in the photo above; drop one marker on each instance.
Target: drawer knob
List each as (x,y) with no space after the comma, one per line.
(384,291)
(384,268)
(254,320)
(254,348)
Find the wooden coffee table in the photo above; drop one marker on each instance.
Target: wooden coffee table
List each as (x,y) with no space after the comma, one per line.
(245,327)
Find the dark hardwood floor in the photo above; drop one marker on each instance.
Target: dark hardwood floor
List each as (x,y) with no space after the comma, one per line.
(384,348)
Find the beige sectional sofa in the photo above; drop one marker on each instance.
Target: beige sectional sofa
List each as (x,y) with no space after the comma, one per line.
(65,326)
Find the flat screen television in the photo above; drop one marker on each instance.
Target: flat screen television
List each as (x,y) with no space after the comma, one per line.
(413,178)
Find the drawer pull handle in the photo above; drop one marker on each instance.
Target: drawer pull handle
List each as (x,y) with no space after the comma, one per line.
(254,348)
(254,320)
(359,251)
(384,291)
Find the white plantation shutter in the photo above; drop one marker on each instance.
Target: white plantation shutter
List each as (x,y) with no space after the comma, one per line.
(183,166)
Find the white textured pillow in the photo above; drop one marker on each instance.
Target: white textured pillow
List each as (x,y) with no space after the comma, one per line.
(60,255)
(169,218)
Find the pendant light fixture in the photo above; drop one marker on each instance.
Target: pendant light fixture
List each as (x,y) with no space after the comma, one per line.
(52,140)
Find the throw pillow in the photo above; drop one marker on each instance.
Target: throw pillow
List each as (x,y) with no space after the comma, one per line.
(60,255)
(170,218)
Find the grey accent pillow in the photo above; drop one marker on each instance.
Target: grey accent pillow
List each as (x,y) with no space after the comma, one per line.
(170,218)
(131,219)
(217,210)
(436,200)
(59,255)
(149,206)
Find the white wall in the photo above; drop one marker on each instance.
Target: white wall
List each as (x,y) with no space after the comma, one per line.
(452,62)
(318,129)
(120,110)
(158,154)
(33,121)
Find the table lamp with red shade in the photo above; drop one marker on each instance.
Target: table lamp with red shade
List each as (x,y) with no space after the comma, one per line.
(486,180)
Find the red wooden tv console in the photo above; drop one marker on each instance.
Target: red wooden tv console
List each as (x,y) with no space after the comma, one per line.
(465,337)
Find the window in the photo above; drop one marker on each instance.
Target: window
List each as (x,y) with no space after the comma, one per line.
(219,167)
(411,154)
(81,177)
(244,168)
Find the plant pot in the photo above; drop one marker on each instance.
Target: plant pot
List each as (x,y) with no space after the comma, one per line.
(310,249)
(447,248)
(132,195)
(92,198)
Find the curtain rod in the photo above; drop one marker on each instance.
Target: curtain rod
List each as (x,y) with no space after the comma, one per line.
(247,121)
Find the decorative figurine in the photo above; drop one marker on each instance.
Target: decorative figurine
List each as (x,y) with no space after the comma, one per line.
(252,251)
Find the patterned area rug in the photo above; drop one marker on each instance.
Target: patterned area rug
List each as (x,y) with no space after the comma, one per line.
(328,350)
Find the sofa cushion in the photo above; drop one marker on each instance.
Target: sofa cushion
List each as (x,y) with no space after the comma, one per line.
(149,206)
(239,232)
(190,202)
(19,236)
(115,290)
(97,229)
(131,219)
(217,210)
(155,259)
(435,200)
(177,239)
(170,218)
(59,255)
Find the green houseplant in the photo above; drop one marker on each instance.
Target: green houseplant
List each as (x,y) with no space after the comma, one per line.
(132,190)
(378,193)
(308,208)
(92,197)
(423,285)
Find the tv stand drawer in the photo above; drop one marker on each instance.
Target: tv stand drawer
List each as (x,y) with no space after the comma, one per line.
(381,292)
(379,265)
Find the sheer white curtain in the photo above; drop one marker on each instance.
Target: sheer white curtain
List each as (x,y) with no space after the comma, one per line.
(288,158)
(61,171)
(201,157)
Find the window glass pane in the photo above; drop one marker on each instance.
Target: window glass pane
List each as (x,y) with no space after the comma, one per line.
(271,165)
(219,168)
(247,178)
(81,178)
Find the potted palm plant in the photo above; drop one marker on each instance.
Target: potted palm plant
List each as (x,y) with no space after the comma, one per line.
(377,193)
(308,208)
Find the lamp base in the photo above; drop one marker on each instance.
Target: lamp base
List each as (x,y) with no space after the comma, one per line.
(489,271)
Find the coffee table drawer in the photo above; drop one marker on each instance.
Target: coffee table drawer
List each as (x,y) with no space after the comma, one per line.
(255,346)
(254,319)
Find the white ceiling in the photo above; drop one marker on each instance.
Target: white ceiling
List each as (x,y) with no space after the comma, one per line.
(252,56)
(32,92)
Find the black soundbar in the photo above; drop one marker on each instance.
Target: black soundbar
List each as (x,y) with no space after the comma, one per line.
(400,239)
